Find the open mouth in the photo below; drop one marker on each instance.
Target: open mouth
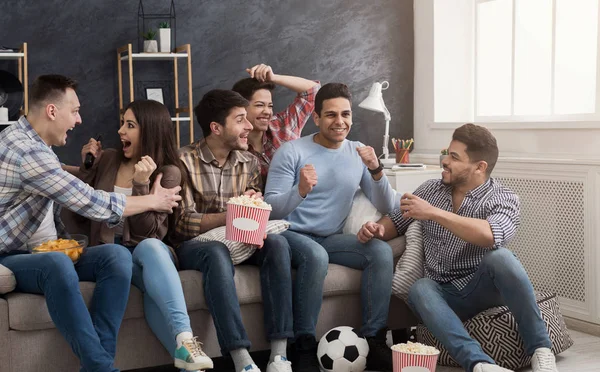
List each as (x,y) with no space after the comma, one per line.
(338,130)
(126,145)
(263,120)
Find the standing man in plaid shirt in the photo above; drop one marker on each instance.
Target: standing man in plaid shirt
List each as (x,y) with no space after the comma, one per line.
(33,188)
(468,219)
(270,130)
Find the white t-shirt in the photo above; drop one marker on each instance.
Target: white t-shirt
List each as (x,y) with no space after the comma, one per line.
(124,191)
(47,229)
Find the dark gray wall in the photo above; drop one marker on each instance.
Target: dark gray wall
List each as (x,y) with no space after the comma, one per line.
(351,41)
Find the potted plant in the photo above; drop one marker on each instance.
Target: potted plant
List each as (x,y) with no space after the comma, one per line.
(443,155)
(164,36)
(149,42)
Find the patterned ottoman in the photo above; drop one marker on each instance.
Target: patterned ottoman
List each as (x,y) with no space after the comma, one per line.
(496,330)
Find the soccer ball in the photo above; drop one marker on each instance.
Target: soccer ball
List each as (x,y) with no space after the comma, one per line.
(342,350)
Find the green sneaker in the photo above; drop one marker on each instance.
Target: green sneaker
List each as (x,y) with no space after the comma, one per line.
(190,356)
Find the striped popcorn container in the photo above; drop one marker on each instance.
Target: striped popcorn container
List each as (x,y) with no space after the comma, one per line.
(246,224)
(411,362)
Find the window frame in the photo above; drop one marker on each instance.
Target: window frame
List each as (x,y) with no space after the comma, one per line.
(585,120)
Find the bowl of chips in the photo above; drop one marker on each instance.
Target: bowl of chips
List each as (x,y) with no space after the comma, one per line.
(73,247)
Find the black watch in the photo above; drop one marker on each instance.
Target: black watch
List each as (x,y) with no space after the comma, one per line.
(376,170)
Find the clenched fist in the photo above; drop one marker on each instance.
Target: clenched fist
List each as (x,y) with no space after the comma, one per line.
(367,154)
(144,169)
(261,72)
(308,180)
(369,231)
(93,147)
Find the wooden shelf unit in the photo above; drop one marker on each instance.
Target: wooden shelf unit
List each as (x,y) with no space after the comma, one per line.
(125,54)
(23,76)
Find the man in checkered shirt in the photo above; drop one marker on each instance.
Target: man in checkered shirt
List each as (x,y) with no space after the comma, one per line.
(33,188)
(468,218)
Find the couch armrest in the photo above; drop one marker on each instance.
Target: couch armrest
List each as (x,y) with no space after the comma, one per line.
(7,280)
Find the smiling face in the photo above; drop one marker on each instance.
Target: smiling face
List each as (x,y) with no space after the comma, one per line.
(130,135)
(334,122)
(65,116)
(458,167)
(260,110)
(234,134)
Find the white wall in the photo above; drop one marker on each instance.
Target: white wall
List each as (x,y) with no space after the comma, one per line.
(577,141)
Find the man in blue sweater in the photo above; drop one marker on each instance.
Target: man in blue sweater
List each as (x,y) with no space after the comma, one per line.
(311,184)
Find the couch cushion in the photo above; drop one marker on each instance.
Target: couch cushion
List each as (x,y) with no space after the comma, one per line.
(29,312)
(7,280)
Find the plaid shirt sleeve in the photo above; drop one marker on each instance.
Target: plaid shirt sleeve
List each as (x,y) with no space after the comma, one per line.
(287,125)
(400,223)
(504,217)
(188,220)
(41,174)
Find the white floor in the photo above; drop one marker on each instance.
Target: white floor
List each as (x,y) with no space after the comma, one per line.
(583,356)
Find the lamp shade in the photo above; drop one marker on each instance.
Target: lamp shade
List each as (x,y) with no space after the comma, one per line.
(374,100)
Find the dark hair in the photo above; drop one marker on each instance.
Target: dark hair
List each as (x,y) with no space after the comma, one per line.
(49,88)
(481,144)
(329,91)
(216,106)
(246,87)
(157,137)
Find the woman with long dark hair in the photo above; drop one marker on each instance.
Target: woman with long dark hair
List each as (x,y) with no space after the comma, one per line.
(148,152)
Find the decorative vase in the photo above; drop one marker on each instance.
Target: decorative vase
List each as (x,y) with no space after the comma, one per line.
(150,46)
(442,157)
(164,36)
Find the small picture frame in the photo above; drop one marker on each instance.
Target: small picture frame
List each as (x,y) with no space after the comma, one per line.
(155,94)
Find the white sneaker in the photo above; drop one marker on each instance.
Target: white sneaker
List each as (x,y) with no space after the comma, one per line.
(190,356)
(251,368)
(485,367)
(543,360)
(279,364)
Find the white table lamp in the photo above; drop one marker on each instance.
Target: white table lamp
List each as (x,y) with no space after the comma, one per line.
(374,102)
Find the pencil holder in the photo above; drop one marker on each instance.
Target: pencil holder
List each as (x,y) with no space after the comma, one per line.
(402,156)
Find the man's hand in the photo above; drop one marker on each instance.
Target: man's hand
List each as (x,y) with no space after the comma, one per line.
(144,169)
(308,180)
(261,72)
(414,207)
(367,154)
(94,147)
(254,194)
(166,199)
(369,231)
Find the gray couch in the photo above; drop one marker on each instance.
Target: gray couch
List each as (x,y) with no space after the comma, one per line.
(29,341)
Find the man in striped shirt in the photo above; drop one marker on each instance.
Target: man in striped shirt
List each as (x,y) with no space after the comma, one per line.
(270,131)
(219,167)
(468,218)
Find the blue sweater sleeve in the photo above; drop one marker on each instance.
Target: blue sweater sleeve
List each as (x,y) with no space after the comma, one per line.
(282,190)
(380,193)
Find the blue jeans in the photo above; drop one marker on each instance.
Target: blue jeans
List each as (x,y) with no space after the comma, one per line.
(214,261)
(155,274)
(92,335)
(310,256)
(499,280)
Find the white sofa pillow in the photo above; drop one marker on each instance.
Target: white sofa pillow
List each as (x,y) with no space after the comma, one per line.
(362,211)
(7,280)
(240,252)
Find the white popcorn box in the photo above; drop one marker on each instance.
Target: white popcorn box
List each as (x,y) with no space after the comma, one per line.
(411,362)
(246,224)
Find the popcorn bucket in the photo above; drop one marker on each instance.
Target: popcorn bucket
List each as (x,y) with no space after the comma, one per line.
(246,224)
(411,362)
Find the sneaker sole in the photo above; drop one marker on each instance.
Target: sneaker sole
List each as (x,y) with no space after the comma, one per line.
(205,364)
